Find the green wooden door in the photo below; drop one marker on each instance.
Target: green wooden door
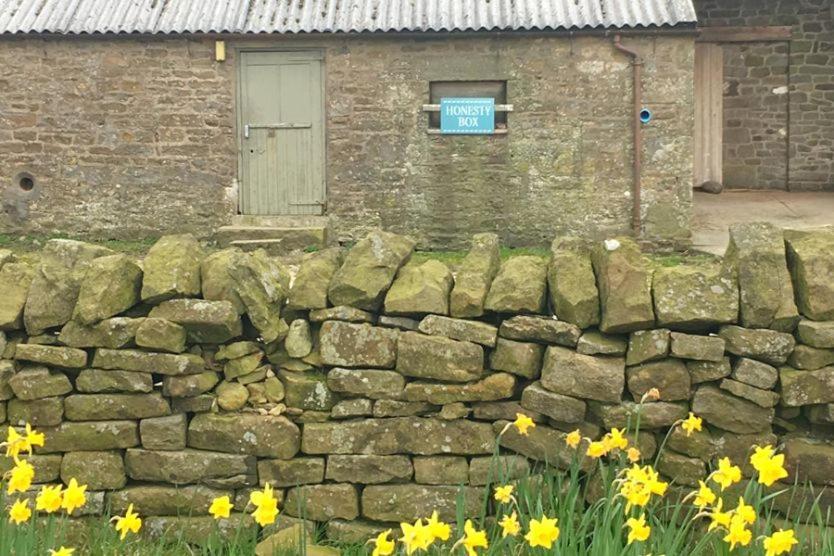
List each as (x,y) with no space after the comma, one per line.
(282,134)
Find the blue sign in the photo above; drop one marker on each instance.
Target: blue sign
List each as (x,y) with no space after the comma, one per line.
(467,116)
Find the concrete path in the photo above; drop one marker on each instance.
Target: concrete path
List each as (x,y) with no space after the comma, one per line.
(714,213)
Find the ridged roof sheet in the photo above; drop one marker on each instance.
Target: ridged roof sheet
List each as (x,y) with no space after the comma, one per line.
(334,16)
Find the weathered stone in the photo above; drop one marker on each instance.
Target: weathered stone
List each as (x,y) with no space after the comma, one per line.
(816,334)
(493,387)
(54,289)
(396,408)
(92,436)
(809,460)
(7,371)
(206,322)
(400,323)
(698,348)
(755,373)
(242,366)
(341,313)
(33,383)
(519,287)
(161,335)
(806,387)
(625,284)
(503,410)
(707,371)
(764,398)
(452,411)
(307,391)
(309,289)
(245,433)
(500,469)
(45,412)
(356,407)
(158,500)
(357,345)
(353,532)
(812,268)
(194,530)
(653,415)
(164,433)
(540,329)
(189,385)
(737,447)
(474,277)
(236,350)
(147,362)
(114,333)
(183,467)
(757,250)
(369,269)
(401,435)
(669,376)
(101,407)
(286,540)
(53,356)
(217,283)
(438,358)
(697,444)
(47,468)
(647,345)
(556,406)
(370,383)
(110,286)
(231,396)
(420,289)
(572,285)
(441,470)
(541,444)
(730,413)
(681,469)
(299,340)
(459,329)
(810,359)
(583,376)
(97,470)
(15,279)
(594,342)
(262,284)
(695,297)
(820,414)
(764,345)
(519,358)
(409,502)
(196,404)
(323,502)
(368,469)
(288,473)
(172,269)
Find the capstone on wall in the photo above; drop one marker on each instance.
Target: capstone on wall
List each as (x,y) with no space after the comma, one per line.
(136,136)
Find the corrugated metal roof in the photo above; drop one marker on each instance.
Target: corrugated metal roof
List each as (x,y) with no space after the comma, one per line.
(333,16)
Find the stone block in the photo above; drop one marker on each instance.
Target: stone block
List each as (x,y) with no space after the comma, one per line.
(156,500)
(441,470)
(217,283)
(114,333)
(231,396)
(496,386)
(323,502)
(91,436)
(474,277)
(164,433)
(438,358)
(289,473)
(583,376)
(368,383)
(500,470)
(47,468)
(556,406)
(695,298)
(15,279)
(654,415)
(519,287)
(541,444)
(110,286)
(168,364)
(648,345)
(459,329)
(307,391)
(572,284)
(161,335)
(52,356)
(810,358)
(519,358)
(188,386)
(669,376)
(342,313)
(245,433)
(194,530)
(262,283)
(708,371)
(625,286)
(698,444)
(526,328)
(594,342)
(45,412)
(409,502)
(106,407)
(299,340)
(356,407)
(763,398)
(812,268)
(419,289)
(368,469)
(816,334)
(343,344)
(503,410)
(97,470)
(809,460)
(755,373)
(397,408)
(309,289)
(205,322)
(768,346)
(241,366)
(190,466)
(698,348)
(800,388)
(728,412)
(33,383)
(197,404)
(172,269)
(681,469)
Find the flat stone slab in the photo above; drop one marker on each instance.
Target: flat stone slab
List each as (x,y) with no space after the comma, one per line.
(409,502)
(583,376)
(345,344)
(148,362)
(438,358)
(459,329)
(245,433)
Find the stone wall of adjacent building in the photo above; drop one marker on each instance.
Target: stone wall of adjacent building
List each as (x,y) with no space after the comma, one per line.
(129,137)
(371,388)
(756,123)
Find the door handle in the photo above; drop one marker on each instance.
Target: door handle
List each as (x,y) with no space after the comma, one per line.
(246,131)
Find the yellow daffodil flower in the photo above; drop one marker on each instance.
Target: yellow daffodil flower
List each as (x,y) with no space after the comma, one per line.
(130,523)
(473,538)
(745,512)
(638,530)
(718,517)
(615,440)
(780,542)
(573,439)
(49,499)
(20,477)
(14,443)
(543,532)
(33,438)
(63,551)
(383,546)
(727,473)
(761,454)
(415,537)
(74,496)
(738,533)
(510,527)
(692,424)
(221,507)
(705,496)
(437,529)
(504,494)
(772,470)
(266,506)
(633,455)
(20,512)
(523,423)
(596,449)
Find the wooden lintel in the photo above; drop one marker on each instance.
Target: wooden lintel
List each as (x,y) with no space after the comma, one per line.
(744,34)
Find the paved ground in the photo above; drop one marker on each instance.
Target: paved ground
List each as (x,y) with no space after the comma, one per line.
(714,213)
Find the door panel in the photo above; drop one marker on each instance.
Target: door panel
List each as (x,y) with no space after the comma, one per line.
(709,121)
(282,137)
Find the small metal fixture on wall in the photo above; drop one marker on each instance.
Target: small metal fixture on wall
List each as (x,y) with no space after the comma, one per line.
(220,51)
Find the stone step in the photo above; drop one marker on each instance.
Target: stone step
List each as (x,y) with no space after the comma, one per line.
(280,221)
(276,241)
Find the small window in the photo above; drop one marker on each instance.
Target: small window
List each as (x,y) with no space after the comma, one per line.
(469,89)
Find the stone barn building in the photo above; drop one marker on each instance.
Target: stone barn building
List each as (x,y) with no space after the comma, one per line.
(130,118)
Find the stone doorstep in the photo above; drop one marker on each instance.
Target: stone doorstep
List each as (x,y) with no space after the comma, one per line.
(275,240)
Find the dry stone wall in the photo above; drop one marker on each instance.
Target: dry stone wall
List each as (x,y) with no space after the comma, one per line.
(368,387)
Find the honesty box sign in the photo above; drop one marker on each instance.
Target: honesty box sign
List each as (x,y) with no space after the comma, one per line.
(467,116)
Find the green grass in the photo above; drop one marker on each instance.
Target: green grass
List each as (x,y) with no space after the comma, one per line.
(30,243)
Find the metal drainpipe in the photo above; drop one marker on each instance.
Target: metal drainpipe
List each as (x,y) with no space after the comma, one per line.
(637,164)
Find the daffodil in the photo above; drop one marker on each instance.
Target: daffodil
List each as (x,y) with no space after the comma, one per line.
(573,439)
(473,538)
(638,530)
(523,423)
(383,546)
(437,529)
(746,512)
(221,507)
(737,533)
(20,512)
(705,496)
(63,551)
(49,499)
(415,537)
(74,496)
(33,438)
(20,477)
(504,494)
(718,517)
(129,523)
(780,542)
(727,474)
(542,532)
(596,449)
(510,527)
(640,484)
(633,455)
(15,443)
(692,424)
(266,506)
(615,440)
(761,454)
(772,470)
